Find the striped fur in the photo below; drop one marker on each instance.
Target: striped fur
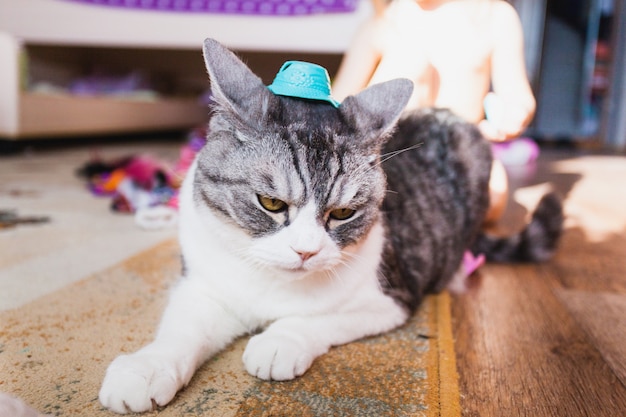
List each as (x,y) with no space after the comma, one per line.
(436,200)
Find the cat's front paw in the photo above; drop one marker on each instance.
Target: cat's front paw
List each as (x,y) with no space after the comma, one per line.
(278,357)
(138,383)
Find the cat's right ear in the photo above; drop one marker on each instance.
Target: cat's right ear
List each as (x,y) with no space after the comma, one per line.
(376,109)
(234,86)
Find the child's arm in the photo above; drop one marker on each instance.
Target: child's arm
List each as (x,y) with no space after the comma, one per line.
(509,79)
(359,61)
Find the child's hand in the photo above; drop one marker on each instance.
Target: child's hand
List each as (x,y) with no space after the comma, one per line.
(504,121)
(491,132)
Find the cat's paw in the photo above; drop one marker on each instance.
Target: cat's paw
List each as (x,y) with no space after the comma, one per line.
(138,383)
(278,357)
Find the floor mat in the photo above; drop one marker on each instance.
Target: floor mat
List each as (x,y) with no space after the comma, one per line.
(54,352)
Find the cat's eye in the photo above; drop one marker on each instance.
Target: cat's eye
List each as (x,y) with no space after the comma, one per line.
(272,204)
(342,213)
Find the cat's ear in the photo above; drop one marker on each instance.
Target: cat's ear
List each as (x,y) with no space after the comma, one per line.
(234,86)
(377,108)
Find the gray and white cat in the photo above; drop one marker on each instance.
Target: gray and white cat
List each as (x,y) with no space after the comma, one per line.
(312,226)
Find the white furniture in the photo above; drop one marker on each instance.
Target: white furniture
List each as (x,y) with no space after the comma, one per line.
(55,34)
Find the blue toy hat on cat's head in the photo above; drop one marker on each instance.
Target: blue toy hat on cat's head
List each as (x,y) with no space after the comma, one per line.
(303,80)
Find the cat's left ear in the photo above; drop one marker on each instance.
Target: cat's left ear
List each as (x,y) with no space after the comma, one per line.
(376,109)
(233,85)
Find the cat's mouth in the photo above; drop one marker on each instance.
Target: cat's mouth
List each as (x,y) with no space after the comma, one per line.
(307,267)
(300,267)
(306,262)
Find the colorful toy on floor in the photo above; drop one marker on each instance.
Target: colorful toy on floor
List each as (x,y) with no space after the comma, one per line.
(132,182)
(140,182)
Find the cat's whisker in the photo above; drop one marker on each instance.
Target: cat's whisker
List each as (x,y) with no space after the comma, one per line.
(175,174)
(383,277)
(249,259)
(333,275)
(365,168)
(352,255)
(387,156)
(337,275)
(348,263)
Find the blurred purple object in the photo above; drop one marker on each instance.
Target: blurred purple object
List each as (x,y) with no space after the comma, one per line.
(98,84)
(517,152)
(248,7)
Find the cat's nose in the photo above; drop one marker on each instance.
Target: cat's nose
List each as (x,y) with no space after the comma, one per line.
(306,255)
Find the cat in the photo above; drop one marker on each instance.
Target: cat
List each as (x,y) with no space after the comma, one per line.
(310,226)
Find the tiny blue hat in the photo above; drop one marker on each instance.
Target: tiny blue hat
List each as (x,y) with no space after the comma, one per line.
(303,80)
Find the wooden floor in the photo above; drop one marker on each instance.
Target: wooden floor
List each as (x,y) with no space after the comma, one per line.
(550,339)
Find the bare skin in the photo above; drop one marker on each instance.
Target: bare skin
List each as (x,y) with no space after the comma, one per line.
(454,51)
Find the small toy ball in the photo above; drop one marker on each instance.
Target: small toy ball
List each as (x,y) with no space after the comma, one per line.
(303,80)
(520,151)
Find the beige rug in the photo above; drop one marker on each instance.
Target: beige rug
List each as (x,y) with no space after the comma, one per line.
(54,352)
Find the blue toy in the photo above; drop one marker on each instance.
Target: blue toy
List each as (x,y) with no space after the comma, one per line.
(303,80)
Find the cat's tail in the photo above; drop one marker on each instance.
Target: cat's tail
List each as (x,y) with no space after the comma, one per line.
(535,243)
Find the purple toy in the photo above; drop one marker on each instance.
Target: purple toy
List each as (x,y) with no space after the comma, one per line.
(249,7)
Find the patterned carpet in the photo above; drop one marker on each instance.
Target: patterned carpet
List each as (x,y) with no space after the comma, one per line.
(54,352)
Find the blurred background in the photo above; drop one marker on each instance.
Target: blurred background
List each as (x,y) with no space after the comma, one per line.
(81,68)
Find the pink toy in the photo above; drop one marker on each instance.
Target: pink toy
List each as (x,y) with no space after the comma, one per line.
(517,152)
(471,263)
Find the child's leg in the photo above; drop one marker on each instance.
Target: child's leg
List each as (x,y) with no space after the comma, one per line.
(498,192)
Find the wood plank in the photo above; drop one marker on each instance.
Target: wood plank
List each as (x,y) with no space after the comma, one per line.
(591,266)
(520,353)
(592,252)
(603,317)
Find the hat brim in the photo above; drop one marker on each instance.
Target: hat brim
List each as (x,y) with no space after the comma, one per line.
(301,92)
